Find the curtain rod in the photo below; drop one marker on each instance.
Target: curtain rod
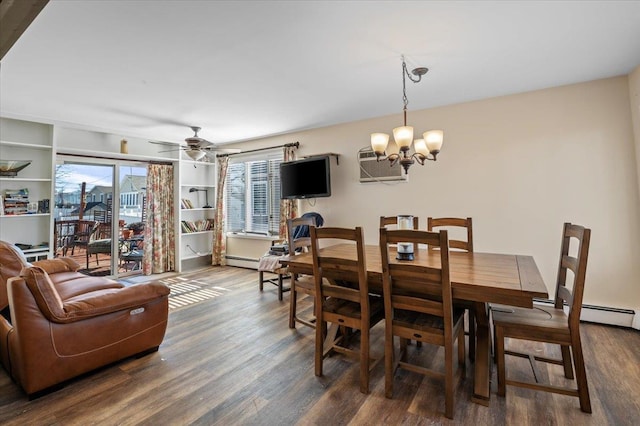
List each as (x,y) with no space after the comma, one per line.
(286,145)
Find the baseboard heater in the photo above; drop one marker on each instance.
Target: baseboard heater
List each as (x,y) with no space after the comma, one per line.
(242,262)
(604,315)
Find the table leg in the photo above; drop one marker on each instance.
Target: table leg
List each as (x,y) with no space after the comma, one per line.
(481,380)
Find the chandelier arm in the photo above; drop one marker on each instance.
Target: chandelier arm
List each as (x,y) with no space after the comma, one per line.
(420,158)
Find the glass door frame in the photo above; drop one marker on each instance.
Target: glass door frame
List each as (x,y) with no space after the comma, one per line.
(116,166)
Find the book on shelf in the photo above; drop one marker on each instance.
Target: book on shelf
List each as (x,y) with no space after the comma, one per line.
(190,226)
(16,201)
(185,203)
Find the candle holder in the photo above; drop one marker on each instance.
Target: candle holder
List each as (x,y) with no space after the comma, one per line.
(405,250)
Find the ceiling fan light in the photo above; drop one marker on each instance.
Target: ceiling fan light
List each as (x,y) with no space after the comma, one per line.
(195,154)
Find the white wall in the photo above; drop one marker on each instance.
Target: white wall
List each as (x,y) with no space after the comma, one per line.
(521,166)
(634,102)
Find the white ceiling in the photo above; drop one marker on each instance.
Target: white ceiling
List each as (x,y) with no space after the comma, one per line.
(246,69)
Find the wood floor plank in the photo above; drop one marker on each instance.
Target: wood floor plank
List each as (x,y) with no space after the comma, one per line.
(233,360)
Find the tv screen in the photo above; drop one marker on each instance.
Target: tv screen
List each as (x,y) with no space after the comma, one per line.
(307,178)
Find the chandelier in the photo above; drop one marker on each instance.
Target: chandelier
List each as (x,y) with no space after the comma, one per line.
(426,148)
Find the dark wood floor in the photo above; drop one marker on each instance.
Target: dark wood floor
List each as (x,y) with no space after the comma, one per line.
(233,360)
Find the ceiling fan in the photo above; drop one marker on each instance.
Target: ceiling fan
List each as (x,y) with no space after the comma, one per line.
(196,147)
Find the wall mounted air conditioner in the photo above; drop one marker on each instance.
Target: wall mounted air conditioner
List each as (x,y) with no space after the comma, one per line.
(372,170)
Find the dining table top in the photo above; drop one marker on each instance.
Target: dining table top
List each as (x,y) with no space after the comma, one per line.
(482,277)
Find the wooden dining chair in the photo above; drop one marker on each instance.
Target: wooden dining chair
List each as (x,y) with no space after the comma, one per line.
(300,283)
(551,324)
(343,299)
(418,306)
(452,224)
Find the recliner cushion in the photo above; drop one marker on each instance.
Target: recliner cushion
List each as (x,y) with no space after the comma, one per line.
(44,293)
(12,261)
(72,284)
(53,266)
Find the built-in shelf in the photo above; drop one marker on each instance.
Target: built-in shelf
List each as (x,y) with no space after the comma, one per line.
(25,145)
(25,215)
(198,209)
(197,232)
(20,179)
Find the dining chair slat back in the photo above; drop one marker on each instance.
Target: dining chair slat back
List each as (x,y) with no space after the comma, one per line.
(453,224)
(450,223)
(412,314)
(551,324)
(343,299)
(299,284)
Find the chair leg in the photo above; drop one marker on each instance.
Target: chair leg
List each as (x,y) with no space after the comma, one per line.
(388,362)
(581,373)
(261,280)
(448,381)
(319,346)
(472,334)
(461,351)
(500,361)
(403,349)
(364,359)
(280,287)
(566,361)
(293,301)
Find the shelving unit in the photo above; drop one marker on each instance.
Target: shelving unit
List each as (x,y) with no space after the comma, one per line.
(195,247)
(24,140)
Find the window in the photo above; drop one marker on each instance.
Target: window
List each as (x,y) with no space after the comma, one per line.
(252,195)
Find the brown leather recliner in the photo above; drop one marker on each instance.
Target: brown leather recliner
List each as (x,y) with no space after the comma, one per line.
(57,323)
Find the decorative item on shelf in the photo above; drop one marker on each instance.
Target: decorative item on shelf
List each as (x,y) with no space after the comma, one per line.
(11,168)
(16,201)
(405,250)
(43,206)
(124,148)
(206,194)
(425,149)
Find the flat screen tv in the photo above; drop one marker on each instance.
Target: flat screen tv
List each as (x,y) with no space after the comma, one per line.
(306,178)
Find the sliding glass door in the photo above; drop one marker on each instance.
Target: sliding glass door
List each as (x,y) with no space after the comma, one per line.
(99,214)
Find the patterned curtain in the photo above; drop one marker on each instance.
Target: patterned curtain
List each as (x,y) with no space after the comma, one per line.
(288,208)
(159,231)
(219,249)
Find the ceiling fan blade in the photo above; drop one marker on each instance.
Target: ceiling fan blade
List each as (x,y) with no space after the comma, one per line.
(172,150)
(165,143)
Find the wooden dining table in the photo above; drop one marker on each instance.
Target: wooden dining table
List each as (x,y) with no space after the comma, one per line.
(481,278)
